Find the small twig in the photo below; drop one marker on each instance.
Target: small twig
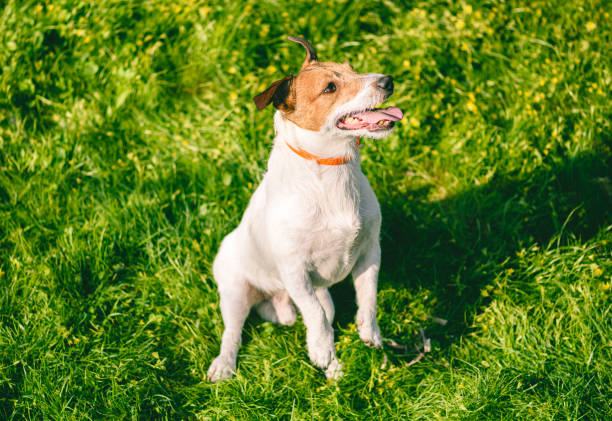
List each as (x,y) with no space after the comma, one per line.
(394,345)
(426,348)
(417,358)
(438,320)
(420,352)
(383,366)
(426,341)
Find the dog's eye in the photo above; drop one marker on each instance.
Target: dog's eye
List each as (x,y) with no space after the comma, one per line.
(331,88)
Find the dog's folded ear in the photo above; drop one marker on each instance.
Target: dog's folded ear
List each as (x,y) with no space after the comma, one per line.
(277,94)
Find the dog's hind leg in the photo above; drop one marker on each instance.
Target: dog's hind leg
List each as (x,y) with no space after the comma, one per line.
(325,299)
(284,307)
(237,297)
(266,311)
(278,309)
(235,303)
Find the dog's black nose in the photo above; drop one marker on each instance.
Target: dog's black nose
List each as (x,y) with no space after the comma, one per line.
(386,83)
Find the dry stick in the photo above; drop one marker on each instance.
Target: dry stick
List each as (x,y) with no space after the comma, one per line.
(394,345)
(416,359)
(438,320)
(421,354)
(383,366)
(426,341)
(426,348)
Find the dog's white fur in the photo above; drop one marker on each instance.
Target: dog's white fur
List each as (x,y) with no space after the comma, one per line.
(306,227)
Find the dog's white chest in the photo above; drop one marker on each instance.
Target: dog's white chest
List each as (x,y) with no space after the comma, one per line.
(335,246)
(330,222)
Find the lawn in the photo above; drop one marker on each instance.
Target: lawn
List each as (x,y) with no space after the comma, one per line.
(130,145)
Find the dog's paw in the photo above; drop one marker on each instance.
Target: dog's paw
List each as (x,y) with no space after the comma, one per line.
(321,348)
(334,370)
(220,369)
(370,335)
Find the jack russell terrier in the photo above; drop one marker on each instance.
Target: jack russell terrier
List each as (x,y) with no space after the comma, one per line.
(314,218)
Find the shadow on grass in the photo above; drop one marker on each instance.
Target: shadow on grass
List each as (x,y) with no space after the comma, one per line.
(455,247)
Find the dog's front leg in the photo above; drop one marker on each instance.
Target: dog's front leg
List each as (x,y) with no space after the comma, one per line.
(319,334)
(365,278)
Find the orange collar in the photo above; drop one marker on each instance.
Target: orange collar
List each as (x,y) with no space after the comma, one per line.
(322,161)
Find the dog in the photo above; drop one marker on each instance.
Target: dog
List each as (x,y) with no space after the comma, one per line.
(314,219)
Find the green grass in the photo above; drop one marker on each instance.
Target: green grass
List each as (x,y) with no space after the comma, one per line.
(129,146)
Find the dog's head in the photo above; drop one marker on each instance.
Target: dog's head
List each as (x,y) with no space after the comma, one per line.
(332,99)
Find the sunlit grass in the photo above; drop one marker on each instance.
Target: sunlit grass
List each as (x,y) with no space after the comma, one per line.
(129,146)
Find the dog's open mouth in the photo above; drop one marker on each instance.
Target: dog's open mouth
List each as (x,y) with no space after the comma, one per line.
(375,119)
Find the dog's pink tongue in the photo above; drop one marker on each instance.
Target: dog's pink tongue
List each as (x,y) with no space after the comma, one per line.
(374,116)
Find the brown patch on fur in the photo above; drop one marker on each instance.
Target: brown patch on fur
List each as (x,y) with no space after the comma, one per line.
(310,107)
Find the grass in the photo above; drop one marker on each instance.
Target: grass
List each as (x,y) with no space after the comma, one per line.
(129,146)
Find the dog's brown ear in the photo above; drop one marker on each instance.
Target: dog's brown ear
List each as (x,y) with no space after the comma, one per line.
(276,94)
(311,54)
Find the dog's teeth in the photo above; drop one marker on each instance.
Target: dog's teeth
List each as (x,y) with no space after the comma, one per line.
(384,123)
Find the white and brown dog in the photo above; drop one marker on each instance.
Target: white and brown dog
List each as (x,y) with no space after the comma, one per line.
(314,218)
